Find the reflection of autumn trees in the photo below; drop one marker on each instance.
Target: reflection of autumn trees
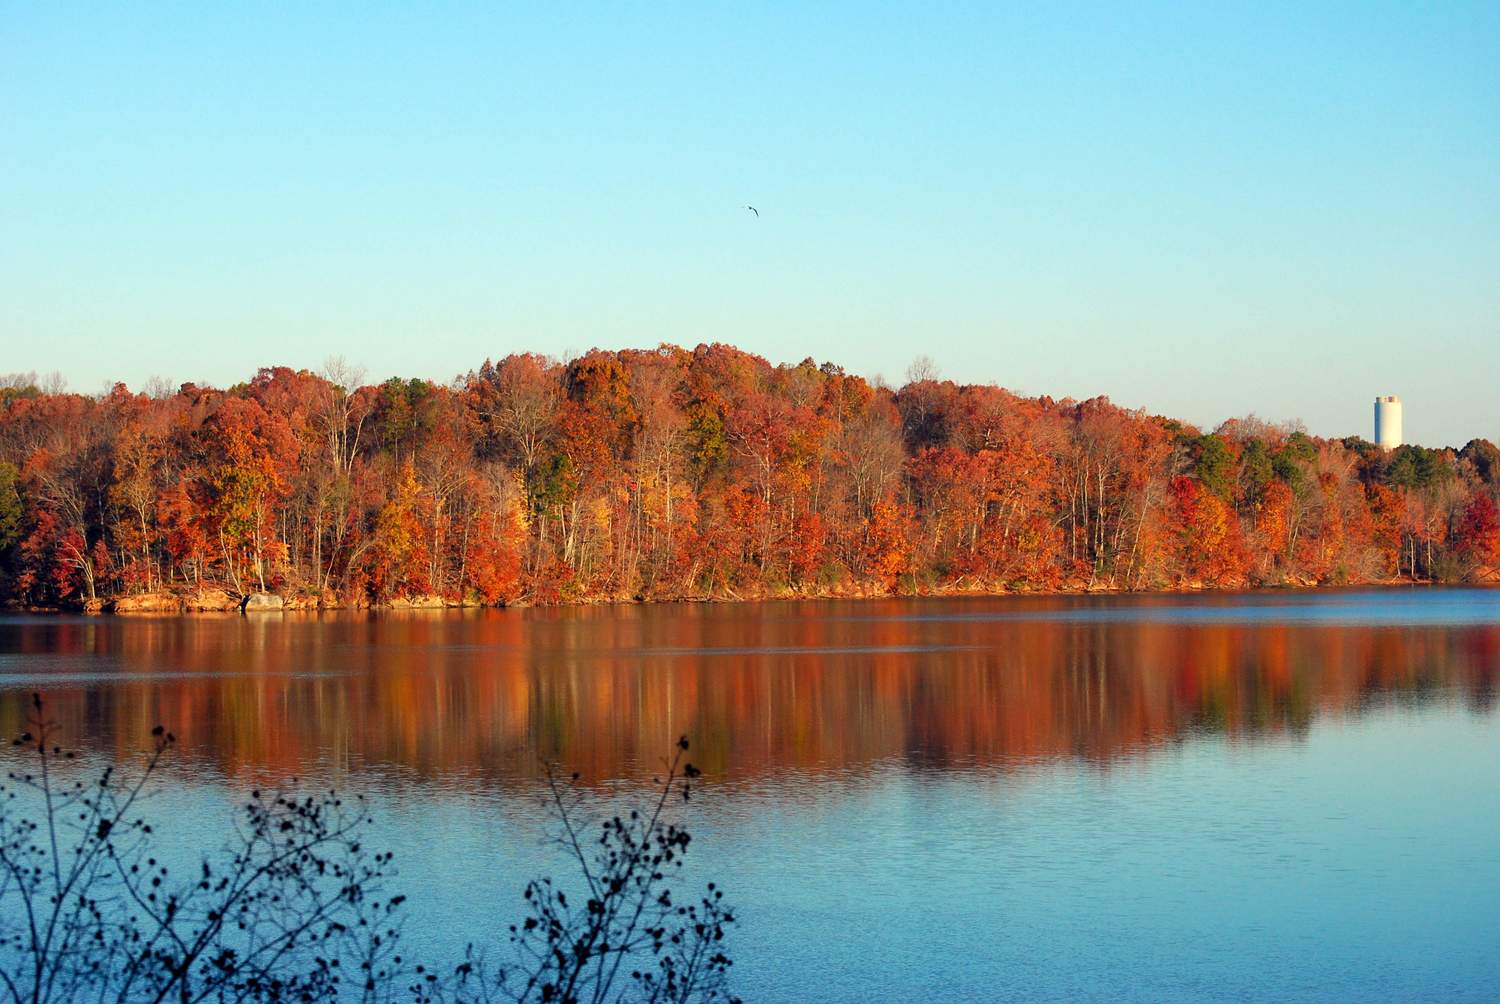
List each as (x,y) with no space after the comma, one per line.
(484,696)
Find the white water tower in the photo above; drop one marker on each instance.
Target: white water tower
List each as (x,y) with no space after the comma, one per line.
(1388,422)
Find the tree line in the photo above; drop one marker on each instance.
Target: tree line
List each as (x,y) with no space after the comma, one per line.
(671,473)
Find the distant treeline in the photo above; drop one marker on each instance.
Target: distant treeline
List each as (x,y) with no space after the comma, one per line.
(672,473)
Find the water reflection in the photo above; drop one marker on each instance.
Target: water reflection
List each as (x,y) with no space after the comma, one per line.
(764,689)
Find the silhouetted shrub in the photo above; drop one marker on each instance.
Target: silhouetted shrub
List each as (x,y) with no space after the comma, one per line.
(296,908)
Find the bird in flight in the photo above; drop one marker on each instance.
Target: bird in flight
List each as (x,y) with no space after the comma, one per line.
(754,210)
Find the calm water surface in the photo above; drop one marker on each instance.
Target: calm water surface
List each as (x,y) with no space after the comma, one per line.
(1269,797)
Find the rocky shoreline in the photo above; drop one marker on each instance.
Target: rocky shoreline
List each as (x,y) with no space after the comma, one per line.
(224,601)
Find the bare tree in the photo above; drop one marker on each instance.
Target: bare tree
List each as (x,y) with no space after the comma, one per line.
(922,370)
(343,417)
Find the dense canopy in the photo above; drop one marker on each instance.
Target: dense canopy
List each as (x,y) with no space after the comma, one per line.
(706,473)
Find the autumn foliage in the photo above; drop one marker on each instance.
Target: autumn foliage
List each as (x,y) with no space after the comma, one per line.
(674,473)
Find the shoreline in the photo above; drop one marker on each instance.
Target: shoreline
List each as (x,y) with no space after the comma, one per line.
(158,604)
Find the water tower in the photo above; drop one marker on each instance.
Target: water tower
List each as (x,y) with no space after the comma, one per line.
(1388,422)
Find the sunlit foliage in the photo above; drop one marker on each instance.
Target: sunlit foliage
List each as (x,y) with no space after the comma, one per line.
(674,473)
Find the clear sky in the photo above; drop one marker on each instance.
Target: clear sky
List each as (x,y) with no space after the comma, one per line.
(1200,209)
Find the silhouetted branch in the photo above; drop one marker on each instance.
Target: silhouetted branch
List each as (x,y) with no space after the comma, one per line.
(294,908)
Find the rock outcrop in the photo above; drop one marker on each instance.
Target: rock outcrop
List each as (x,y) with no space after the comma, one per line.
(210,599)
(426,602)
(146,603)
(262,601)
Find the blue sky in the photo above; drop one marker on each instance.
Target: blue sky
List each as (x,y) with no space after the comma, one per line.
(1203,210)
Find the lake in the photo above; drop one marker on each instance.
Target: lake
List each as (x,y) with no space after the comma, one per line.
(1280,796)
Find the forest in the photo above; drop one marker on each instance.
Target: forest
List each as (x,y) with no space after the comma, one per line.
(677,474)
